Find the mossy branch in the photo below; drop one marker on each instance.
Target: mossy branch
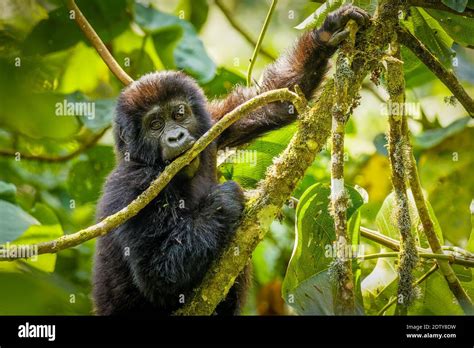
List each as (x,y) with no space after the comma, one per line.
(408,253)
(446,76)
(95,40)
(341,267)
(115,220)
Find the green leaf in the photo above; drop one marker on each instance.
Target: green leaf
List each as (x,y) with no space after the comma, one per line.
(445,171)
(36,293)
(435,298)
(7,192)
(432,34)
(194,11)
(102,111)
(456,5)
(13,221)
(87,176)
(224,81)
(433,137)
(176,42)
(388,225)
(249,164)
(58,32)
(138,63)
(317,18)
(460,28)
(307,286)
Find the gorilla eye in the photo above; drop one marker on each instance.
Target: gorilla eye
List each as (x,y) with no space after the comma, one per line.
(157,124)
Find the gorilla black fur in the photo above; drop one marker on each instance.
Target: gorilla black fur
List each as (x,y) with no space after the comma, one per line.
(151,263)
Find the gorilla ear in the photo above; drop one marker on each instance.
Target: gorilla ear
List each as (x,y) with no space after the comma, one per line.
(121,134)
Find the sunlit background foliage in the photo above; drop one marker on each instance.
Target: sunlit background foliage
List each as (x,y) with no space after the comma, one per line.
(45,59)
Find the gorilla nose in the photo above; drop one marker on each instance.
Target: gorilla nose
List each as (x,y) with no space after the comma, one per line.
(176,137)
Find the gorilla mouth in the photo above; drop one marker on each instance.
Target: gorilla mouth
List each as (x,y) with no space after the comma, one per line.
(179,151)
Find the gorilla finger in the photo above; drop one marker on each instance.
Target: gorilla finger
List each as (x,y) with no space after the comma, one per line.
(338,37)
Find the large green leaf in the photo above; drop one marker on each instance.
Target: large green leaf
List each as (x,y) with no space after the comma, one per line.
(7,192)
(108,18)
(103,111)
(194,11)
(445,171)
(433,137)
(457,5)
(223,82)
(388,225)
(307,286)
(36,293)
(13,221)
(461,29)
(87,176)
(432,34)
(176,42)
(249,165)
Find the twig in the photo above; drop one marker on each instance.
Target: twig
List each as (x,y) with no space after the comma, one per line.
(428,226)
(416,283)
(112,221)
(426,255)
(408,252)
(95,40)
(259,41)
(446,76)
(55,159)
(230,18)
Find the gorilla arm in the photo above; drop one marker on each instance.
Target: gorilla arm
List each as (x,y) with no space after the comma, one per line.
(305,66)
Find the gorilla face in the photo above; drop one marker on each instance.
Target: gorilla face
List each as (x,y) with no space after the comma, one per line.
(159,117)
(170,126)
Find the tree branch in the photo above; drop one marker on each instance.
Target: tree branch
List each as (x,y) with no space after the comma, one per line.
(344,302)
(230,18)
(95,40)
(58,158)
(259,41)
(408,253)
(451,256)
(115,220)
(446,76)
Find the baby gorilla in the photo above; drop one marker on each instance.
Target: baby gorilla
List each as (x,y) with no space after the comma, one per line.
(151,263)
